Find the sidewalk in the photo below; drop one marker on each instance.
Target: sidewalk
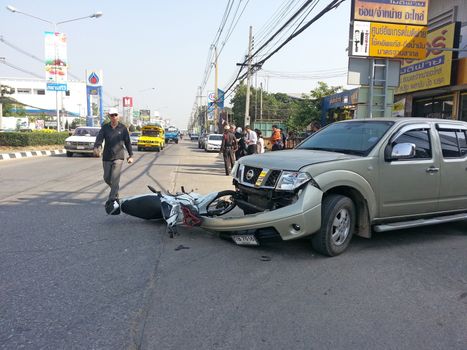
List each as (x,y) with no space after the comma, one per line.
(7,155)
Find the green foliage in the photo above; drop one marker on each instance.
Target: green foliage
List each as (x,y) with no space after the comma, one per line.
(308,109)
(277,106)
(38,138)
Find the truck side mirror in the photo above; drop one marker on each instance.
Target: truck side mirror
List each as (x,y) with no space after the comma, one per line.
(400,151)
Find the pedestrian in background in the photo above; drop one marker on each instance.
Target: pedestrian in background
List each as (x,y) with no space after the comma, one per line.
(315,126)
(117,138)
(276,138)
(228,147)
(250,139)
(260,143)
(241,146)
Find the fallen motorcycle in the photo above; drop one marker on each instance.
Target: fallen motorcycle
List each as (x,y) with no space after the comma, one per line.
(183,207)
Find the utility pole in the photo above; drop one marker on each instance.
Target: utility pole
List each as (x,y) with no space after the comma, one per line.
(261,102)
(199,117)
(216,109)
(247,101)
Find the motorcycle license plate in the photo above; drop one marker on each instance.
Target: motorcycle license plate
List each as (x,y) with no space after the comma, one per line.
(245,240)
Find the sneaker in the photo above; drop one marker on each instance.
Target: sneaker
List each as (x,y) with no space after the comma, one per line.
(112,207)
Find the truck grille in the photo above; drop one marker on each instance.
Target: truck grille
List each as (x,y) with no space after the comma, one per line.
(249,176)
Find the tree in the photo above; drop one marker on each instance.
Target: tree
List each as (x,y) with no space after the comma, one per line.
(308,110)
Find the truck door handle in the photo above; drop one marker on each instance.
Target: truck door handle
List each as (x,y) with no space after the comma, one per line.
(432,170)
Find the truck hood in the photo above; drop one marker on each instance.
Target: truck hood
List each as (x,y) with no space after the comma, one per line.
(81,139)
(292,160)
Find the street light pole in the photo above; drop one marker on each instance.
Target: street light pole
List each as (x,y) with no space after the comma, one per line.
(55,24)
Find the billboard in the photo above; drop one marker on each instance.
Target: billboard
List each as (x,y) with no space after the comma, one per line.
(371,39)
(435,70)
(55,61)
(391,11)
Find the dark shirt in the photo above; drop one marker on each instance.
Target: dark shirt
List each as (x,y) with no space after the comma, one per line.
(229,142)
(114,139)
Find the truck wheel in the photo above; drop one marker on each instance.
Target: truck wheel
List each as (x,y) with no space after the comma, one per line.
(69,154)
(337,225)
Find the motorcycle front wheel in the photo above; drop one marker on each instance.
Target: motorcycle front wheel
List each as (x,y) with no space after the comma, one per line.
(222,203)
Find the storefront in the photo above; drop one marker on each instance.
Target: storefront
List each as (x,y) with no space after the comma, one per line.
(339,106)
(436,87)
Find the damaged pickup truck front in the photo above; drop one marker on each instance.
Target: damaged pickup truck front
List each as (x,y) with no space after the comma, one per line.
(352,177)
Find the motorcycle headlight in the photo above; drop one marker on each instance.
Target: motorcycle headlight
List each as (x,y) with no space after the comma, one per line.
(290,180)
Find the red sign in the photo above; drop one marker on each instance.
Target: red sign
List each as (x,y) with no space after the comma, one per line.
(127,101)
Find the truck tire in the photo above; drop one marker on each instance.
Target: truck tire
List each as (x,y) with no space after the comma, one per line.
(337,225)
(69,154)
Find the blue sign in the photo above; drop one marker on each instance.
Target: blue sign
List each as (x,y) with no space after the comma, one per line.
(220,98)
(56,87)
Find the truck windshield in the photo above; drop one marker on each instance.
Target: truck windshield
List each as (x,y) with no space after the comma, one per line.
(353,137)
(151,133)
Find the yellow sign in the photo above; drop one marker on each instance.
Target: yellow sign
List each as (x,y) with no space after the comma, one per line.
(389,40)
(392,11)
(435,70)
(397,41)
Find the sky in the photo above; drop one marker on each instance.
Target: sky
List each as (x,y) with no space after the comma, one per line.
(157,51)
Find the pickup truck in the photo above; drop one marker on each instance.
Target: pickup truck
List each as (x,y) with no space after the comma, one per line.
(352,177)
(171,134)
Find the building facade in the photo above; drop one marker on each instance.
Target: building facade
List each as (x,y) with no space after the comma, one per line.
(32,94)
(436,87)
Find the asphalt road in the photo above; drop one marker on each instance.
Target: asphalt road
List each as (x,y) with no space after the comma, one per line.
(72,277)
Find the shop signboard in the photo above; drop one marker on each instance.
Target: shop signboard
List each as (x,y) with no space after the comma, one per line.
(371,39)
(435,70)
(391,11)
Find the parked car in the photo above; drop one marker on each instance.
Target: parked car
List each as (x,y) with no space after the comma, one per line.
(353,177)
(134,136)
(213,142)
(82,141)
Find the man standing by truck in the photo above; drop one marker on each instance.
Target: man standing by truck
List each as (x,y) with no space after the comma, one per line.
(228,148)
(116,137)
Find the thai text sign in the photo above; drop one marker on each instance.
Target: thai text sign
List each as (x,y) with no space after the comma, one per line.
(392,11)
(435,70)
(388,40)
(55,61)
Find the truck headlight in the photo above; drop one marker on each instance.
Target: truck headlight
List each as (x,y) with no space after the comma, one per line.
(68,143)
(235,170)
(290,180)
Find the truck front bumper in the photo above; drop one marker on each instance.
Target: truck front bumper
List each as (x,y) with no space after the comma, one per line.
(296,220)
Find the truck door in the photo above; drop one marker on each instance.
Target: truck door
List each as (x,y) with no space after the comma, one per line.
(410,186)
(453,188)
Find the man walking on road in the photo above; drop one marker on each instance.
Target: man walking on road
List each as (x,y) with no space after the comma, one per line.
(116,138)
(228,148)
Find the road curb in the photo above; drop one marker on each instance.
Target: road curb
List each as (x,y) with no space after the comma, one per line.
(27,154)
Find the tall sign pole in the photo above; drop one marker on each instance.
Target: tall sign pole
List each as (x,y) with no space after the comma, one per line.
(216,94)
(247,101)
